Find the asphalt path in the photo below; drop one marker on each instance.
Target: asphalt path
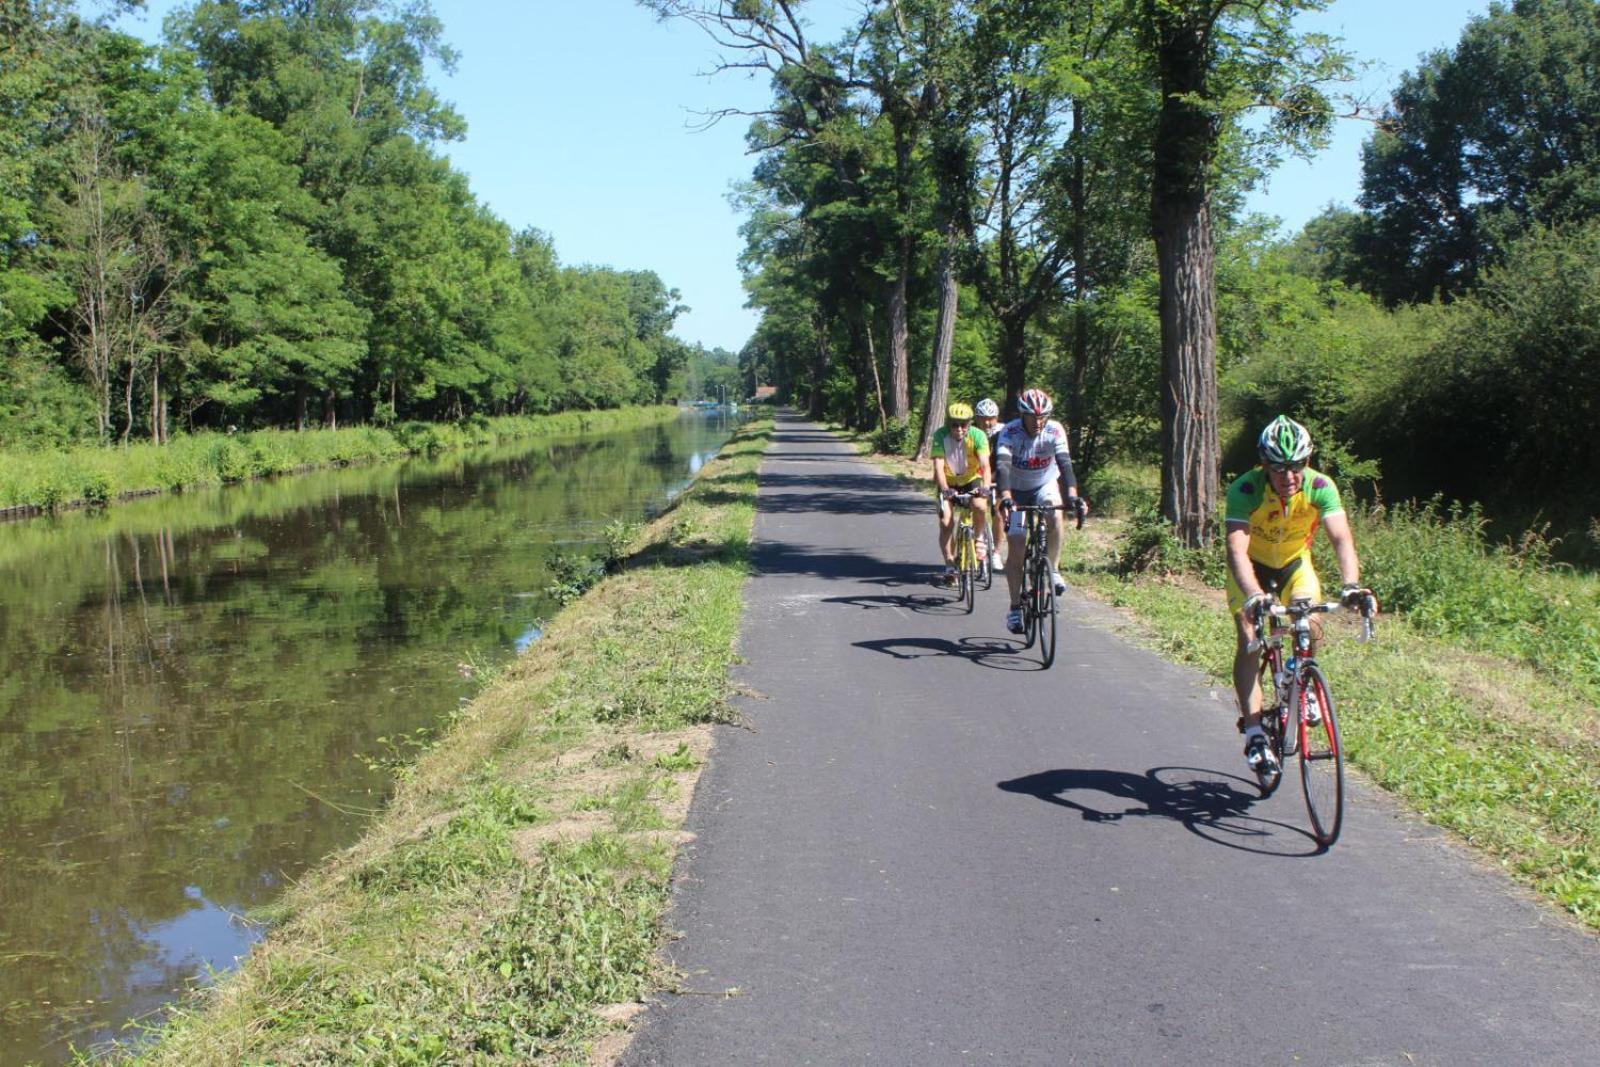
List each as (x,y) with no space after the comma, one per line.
(921,848)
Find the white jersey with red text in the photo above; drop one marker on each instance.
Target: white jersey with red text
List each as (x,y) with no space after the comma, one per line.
(1031,461)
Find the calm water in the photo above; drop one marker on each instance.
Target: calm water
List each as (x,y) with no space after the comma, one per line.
(192,690)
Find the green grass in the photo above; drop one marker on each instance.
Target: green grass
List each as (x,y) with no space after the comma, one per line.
(515,886)
(50,480)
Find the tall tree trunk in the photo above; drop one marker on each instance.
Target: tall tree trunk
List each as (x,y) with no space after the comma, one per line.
(1014,358)
(824,364)
(877,382)
(127,403)
(1078,383)
(1186,138)
(899,299)
(944,341)
(1190,454)
(900,337)
(155,398)
(330,417)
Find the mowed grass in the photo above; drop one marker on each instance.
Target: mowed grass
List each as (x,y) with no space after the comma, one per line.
(506,907)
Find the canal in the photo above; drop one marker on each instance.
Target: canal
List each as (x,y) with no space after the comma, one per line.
(202,695)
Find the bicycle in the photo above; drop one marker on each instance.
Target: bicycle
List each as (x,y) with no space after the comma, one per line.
(1298,717)
(969,568)
(1038,591)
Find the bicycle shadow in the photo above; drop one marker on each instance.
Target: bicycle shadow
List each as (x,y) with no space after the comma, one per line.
(1209,807)
(995,653)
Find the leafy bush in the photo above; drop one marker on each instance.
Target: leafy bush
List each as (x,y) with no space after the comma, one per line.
(895,438)
(1148,545)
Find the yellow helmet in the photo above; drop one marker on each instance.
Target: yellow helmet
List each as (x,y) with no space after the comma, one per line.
(959,412)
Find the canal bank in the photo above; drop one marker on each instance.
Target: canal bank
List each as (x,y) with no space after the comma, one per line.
(505,904)
(36,483)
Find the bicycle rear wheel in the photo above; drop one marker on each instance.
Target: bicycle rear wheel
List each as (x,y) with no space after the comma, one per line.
(1271,722)
(987,566)
(1321,755)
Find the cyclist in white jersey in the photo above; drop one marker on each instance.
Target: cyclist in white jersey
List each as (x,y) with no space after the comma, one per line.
(1032,466)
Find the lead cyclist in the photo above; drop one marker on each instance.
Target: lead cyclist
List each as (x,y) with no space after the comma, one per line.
(1273,512)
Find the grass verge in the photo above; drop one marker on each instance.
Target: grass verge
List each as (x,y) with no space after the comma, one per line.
(1476,704)
(33,482)
(505,908)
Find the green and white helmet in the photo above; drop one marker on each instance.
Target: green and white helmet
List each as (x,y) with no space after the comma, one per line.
(1284,441)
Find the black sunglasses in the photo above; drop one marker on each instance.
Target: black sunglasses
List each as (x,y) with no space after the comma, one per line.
(1287,468)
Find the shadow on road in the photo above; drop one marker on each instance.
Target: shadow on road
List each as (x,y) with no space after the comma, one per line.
(839,494)
(1209,806)
(996,653)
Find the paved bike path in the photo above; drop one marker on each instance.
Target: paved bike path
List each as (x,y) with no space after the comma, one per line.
(922,849)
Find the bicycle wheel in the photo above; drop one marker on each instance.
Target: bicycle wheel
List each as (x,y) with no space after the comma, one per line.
(987,566)
(1271,722)
(1030,618)
(969,567)
(1321,756)
(1047,621)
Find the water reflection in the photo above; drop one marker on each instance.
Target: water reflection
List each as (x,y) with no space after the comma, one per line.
(192,690)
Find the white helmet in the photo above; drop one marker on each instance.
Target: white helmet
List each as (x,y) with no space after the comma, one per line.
(987,409)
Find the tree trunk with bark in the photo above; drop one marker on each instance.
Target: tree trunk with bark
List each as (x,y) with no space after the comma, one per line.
(944,341)
(1186,140)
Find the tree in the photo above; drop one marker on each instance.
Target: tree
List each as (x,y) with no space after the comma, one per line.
(1212,59)
(1481,143)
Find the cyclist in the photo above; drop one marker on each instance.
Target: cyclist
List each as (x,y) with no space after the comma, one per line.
(987,419)
(1033,467)
(960,465)
(1272,515)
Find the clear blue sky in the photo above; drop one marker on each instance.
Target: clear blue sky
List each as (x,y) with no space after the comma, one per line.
(578,115)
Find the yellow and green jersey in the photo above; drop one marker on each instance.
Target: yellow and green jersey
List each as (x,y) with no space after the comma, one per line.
(961,464)
(1280,530)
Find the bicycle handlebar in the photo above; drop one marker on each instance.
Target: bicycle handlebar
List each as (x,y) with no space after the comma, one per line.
(1300,611)
(1076,507)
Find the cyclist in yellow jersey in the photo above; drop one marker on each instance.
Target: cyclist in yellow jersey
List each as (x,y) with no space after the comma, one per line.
(1273,513)
(960,465)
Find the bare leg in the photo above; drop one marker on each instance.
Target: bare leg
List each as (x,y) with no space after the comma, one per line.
(1246,672)
(947,533)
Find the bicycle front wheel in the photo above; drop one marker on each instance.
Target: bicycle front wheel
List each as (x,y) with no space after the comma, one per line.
(1047,622)
(1030,614)
(1321,755)
(970,568)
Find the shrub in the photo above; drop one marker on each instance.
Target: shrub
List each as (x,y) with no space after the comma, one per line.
(895,437)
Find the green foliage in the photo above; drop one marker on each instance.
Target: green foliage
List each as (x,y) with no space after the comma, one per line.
(1436,565)
(281,236)
(1484,141)
(1148,545)
(896,437)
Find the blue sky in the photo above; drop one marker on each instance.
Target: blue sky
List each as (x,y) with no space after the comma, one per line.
(578,115)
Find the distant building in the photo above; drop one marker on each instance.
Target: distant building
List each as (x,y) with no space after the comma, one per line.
(765,393)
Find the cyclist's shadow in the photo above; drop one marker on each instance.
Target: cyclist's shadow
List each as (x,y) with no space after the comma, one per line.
(997,653)
(1209,807)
